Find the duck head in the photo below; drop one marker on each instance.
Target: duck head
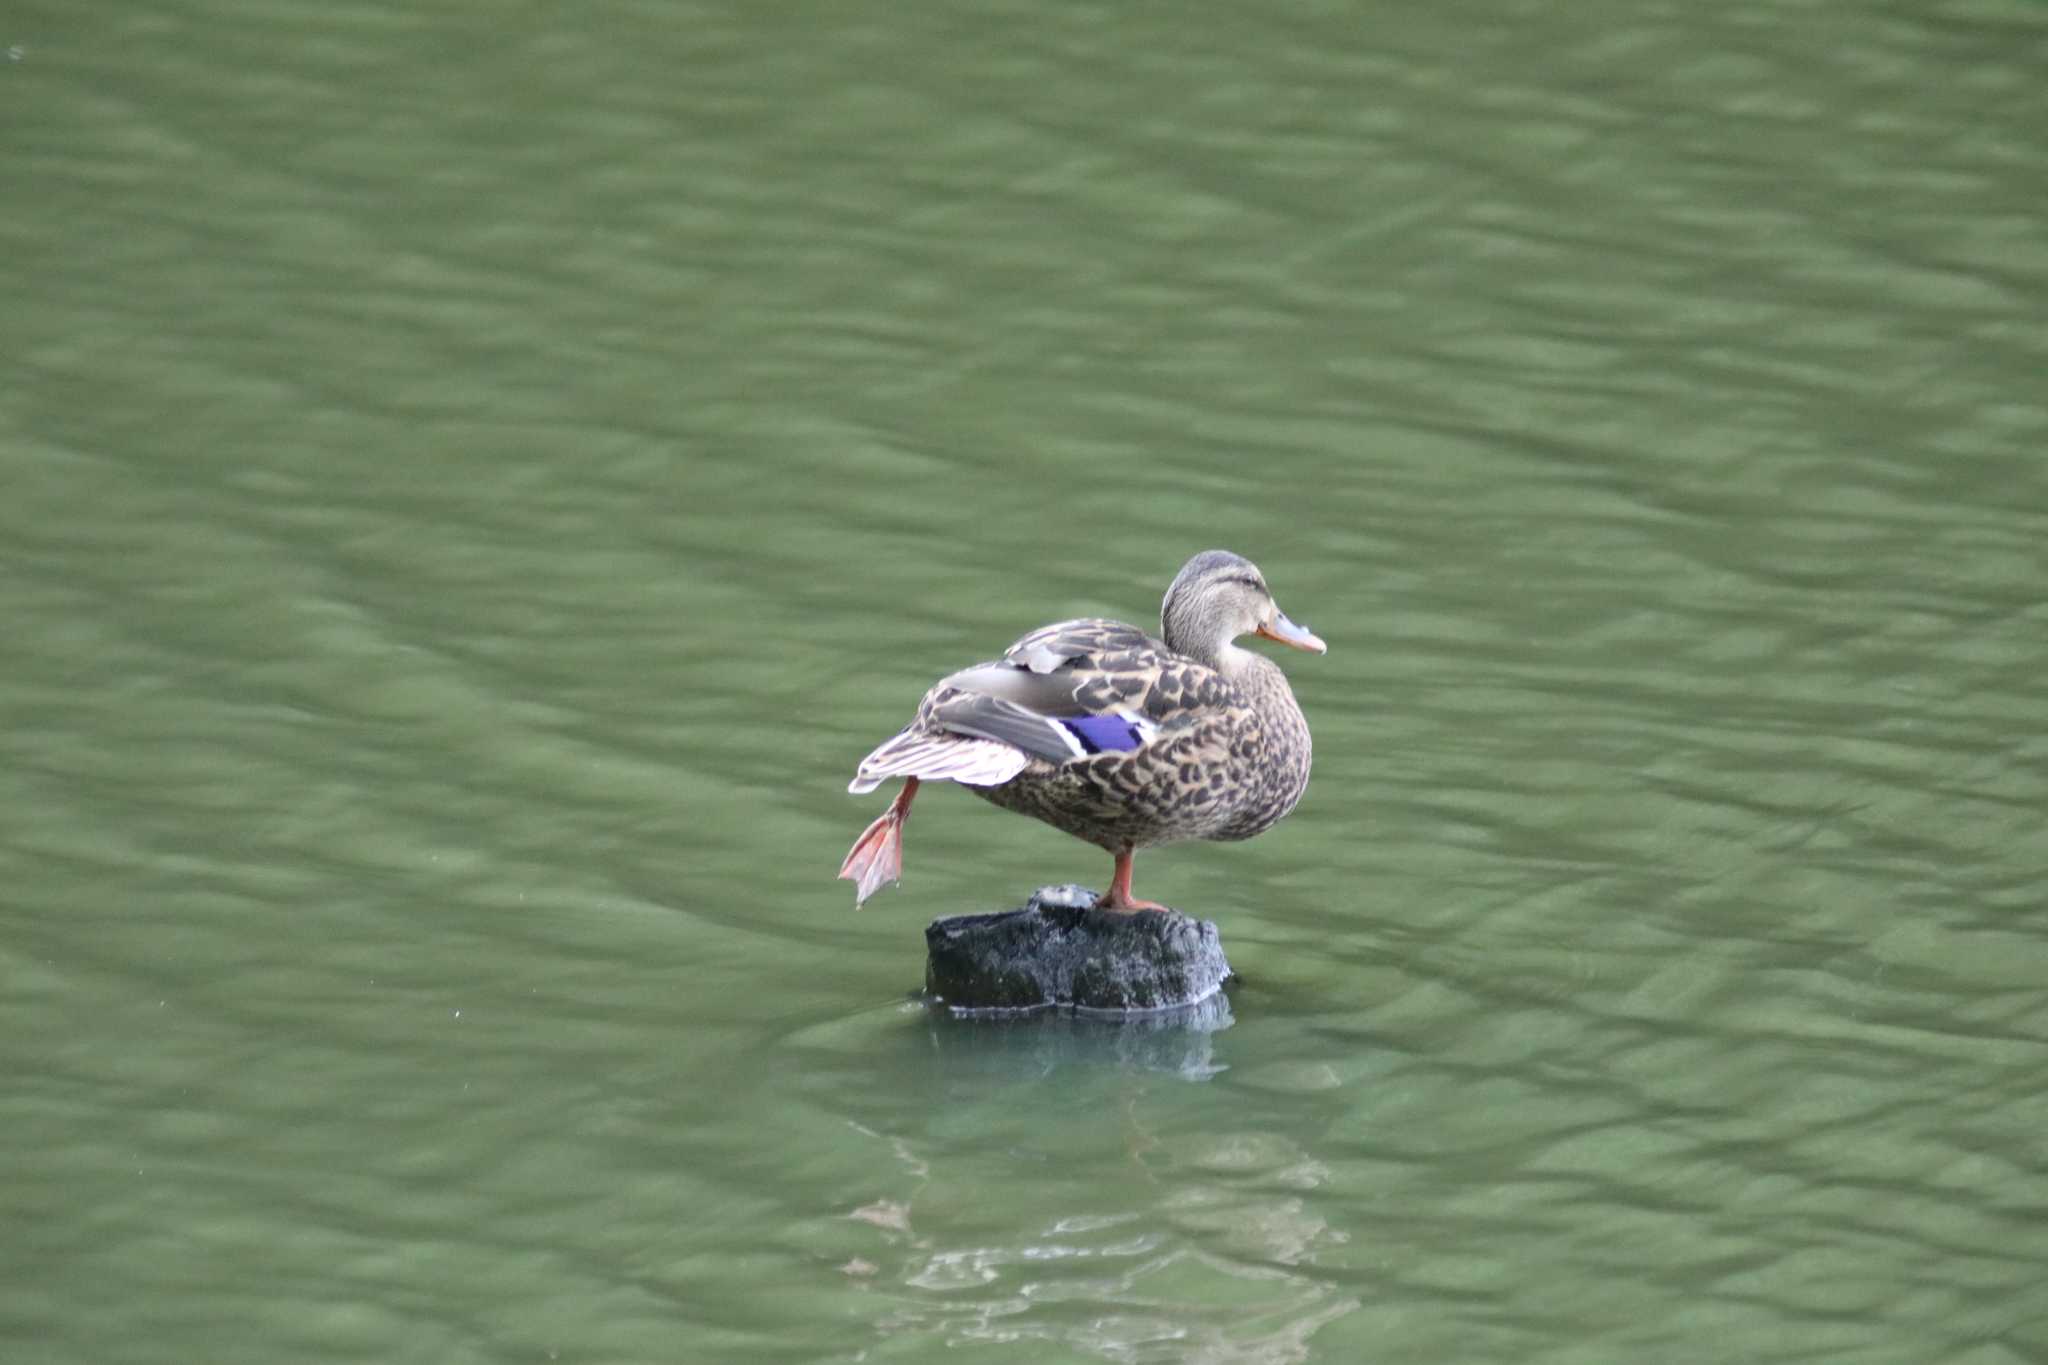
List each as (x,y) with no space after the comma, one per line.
(1217,597)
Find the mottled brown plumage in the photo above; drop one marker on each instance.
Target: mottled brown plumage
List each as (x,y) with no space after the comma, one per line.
(1116,737)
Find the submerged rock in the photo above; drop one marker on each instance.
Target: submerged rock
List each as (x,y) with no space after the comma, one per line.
(1058,950)
(1005,1046)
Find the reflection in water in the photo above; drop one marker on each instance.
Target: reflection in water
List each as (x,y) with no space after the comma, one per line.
(1178,1042)
(1210,1271)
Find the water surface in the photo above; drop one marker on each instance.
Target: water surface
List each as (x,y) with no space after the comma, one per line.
(477,481)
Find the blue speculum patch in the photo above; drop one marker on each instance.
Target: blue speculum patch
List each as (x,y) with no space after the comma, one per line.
(1103,733)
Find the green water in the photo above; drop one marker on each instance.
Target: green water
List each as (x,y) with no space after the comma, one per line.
(476,478)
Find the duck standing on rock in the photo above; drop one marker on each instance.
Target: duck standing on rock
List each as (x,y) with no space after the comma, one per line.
(1115,737)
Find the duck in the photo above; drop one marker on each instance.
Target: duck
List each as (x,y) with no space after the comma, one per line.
(1120,738)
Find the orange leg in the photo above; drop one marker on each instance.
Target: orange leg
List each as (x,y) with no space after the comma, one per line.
(1119,895)
(876,858)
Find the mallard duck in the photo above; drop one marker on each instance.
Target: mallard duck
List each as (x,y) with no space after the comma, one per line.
(1118,738)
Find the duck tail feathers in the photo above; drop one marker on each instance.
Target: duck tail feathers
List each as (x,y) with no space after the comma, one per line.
(939,757)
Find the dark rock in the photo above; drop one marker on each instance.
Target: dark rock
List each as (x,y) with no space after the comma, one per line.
(1061,951)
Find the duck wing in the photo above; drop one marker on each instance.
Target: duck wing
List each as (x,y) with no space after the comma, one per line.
(1077,688)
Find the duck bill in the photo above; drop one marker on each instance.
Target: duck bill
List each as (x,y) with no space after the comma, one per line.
(1284,631)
